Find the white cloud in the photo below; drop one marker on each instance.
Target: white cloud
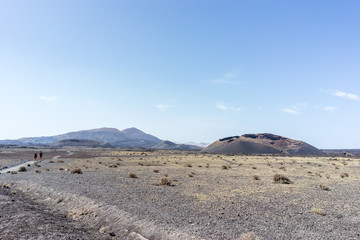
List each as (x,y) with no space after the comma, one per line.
(226,108)
(291,111)
(329,108)
(346,95)
(231,77)
(48,98)
(221,107)
(162,107)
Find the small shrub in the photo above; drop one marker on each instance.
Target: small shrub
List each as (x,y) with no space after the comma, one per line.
(51,161)
(189,165)
(165,181)
(190,175)
(256,177)
(224,167)
(5,185)
(46,169)
(344,175)
(37,171)
(13,172)
(22,169)
(318,211)
(76,171)
(323,187)
(155,170)
(37,165)
(132,175)
(61,169)
(253,167)
(60,161)
(278,178)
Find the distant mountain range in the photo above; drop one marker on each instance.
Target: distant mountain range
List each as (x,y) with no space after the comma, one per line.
(102,137)
(264,143)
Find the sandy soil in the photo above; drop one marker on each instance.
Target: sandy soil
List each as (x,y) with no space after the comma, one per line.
(211,196)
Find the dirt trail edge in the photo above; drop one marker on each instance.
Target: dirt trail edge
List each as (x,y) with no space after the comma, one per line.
(108,219)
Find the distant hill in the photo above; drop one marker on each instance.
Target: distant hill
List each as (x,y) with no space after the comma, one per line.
(168,145)
(265,143)
(81,143)
(130,137)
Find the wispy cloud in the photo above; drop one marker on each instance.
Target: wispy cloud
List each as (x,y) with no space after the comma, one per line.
(227,108)
(346,95)
(292,111)
(48,98)
(162,107)
(231,77)
(329,108)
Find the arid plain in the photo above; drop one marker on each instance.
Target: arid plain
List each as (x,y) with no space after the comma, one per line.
(138,194)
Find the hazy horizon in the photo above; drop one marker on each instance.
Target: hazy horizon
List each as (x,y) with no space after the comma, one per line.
(182,70)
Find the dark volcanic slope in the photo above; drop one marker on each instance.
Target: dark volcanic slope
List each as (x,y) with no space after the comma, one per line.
(264,143)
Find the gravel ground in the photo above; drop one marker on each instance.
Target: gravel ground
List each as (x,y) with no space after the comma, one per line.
(212,204)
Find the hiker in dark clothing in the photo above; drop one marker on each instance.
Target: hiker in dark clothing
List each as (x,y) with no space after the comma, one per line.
(40,154)
(35,156)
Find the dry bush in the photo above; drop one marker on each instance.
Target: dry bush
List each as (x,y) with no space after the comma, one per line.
(318,211)
(37,165)
(51,161)
(5,185)
(60,161)
(76,171)
(132,175)
(22,169)
(37,171)
(166,175)
(224,167)
(256,177)
(155,170)
(165,181)
(13,172)
(189,165)
(248,236)
(323,187)
(190,175)
(61,169)
(344,175)
(279,178)
(46,169)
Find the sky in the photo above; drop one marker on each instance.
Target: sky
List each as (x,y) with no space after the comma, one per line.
(182,70)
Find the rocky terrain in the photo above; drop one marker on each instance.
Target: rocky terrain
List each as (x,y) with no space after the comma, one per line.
(264,143)
(127,194)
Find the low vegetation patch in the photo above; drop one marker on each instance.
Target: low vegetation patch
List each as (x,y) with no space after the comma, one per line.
(323,187)
(38,171)
(224,167)
(22,169)
(132,175)
(318,211)
(155,170)
(256,177)
(165,181)
(279,178)
(76,171)
(343,175)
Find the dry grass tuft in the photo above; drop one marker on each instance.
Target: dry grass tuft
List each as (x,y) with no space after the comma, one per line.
(22,169)
(132,175)
(256,177)
(155,170)
(190,175)
(60,161)
(344,175)
(318,211)
(189,165)
(165,181)
(279,178)
(76,171)
(37,171)
(323,187)
(224,167)
(51,161)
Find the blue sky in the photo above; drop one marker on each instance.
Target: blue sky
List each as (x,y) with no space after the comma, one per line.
(182,70)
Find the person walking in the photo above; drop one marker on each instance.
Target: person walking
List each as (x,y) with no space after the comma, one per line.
(40,155)
(35,156)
